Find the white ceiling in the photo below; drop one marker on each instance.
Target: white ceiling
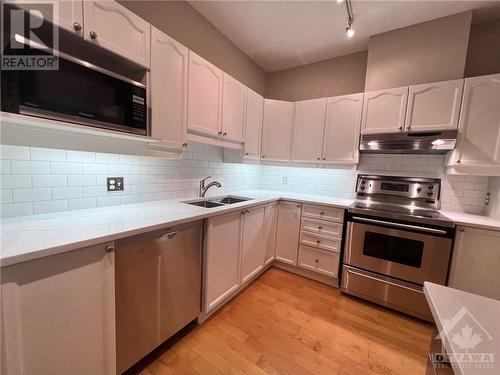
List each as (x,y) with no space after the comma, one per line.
(283,34)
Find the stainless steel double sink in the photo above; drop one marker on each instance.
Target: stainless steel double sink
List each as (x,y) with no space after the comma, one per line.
(218,202)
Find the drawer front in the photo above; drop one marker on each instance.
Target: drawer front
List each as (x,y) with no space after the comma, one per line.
(323,212)
(325,228)
(320,261)
(319,241)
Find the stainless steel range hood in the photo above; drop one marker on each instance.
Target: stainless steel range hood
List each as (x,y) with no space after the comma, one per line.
(438,142)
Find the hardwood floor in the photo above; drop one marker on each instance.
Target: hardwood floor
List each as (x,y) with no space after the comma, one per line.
(287,324)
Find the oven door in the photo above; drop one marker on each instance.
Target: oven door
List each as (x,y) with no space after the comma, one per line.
(414,253)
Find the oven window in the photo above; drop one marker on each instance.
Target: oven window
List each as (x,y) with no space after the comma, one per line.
(395,249)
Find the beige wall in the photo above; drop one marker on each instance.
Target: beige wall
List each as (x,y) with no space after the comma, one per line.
(483,55)
(337,76)
(182,22)
(427,52)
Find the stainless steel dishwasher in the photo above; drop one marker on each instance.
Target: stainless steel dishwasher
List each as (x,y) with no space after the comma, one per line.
(158,286)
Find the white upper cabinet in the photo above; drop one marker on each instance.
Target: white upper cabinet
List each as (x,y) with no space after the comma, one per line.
(114,27)
(253,124)
(169,84)
(234,96)
(309,123)
(343,122)
(478,144)
(253,242)
(384,111)
(204,96)
(70,14)
(277,130)
(434,106)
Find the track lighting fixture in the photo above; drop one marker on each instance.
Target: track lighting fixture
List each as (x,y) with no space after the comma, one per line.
(350,18)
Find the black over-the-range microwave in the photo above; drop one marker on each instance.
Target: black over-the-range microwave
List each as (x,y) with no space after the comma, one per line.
(78,92)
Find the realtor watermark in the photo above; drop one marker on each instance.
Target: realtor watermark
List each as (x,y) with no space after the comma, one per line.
(28,39)
(470,341)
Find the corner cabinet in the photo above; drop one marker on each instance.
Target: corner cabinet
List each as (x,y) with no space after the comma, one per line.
(169,85)
(384,111)
(234,97)
(478,143)
(434,106)
(277,130)
(342,127)
(114,27)
(204,97)
(253,124)
(58,314)
(287,237)
(308,127)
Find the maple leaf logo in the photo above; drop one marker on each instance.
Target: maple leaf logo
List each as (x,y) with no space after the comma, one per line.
(467,339)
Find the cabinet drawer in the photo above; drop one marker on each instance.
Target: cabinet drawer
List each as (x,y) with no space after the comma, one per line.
(322,242)
(323,212)
(318,260)
(322,227)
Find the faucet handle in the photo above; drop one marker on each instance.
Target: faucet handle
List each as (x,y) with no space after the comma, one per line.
(206,178)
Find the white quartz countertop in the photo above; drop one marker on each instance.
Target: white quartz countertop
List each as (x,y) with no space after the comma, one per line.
(30,237)
(477,221)
(469,327)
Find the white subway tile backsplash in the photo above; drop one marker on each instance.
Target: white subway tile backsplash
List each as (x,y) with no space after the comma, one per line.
(119,169)
(81,156)
(81,180)
(108,201)
(49,180)
(14,152)
(77,204)
(98,168)
(30,167)
(67,192)
(5,167)
(47,154)
(107,158)
(44,207)
(31,195)
(15,181)
(65,168)
(16,209)
(5,196)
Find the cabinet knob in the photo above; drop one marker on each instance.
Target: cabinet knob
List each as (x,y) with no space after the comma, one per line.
(318,242)
(321,213)
(219,132)
(224,134)
(298,206)
(318,158)
(316,260)
(109,248)
(184,145)
(460,229)
(93,35)
(320,228)
(243,212)
(324,158)
(458,161)
(246,153)
(77,26)
(263,156)
(400,128)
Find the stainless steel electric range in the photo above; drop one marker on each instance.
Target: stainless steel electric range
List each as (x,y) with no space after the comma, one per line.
(395,240)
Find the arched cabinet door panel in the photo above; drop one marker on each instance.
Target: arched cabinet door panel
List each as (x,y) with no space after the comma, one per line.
(384,111)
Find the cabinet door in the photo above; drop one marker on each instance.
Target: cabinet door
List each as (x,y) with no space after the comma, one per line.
(204,96)
(114,27)
(169,80)
(309,124)
(343,122)
(253,242)
(234,96)
(434,106)
(277,130)
(475,262)
(271,225)
(253,124)
(384,111)
(58,314)
(478,144)
(287,233)
(222,258)
(70,14)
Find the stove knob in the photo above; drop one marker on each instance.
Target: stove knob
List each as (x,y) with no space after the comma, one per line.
(419,189)
(430,193)
(363,182)
(362,187)
(430,187)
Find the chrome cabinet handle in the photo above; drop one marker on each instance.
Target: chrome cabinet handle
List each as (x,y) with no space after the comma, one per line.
(77,26)
(93,35)
(168,235)
(109,248)
(399,225)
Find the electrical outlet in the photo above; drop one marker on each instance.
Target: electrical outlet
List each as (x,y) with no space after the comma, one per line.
(114,183)
(284,180)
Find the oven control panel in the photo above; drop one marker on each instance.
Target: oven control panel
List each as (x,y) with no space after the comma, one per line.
(409,187)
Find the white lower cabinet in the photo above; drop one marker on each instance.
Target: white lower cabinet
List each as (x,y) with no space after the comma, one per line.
(287,235)
(325,262)
(58,314)
(222,258)
(271,226)
(253,242)
(476,261)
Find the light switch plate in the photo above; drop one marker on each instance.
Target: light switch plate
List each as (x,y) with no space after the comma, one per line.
(114,183)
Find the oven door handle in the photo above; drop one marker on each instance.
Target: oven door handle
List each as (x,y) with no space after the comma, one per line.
(399,225)
(384,281)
